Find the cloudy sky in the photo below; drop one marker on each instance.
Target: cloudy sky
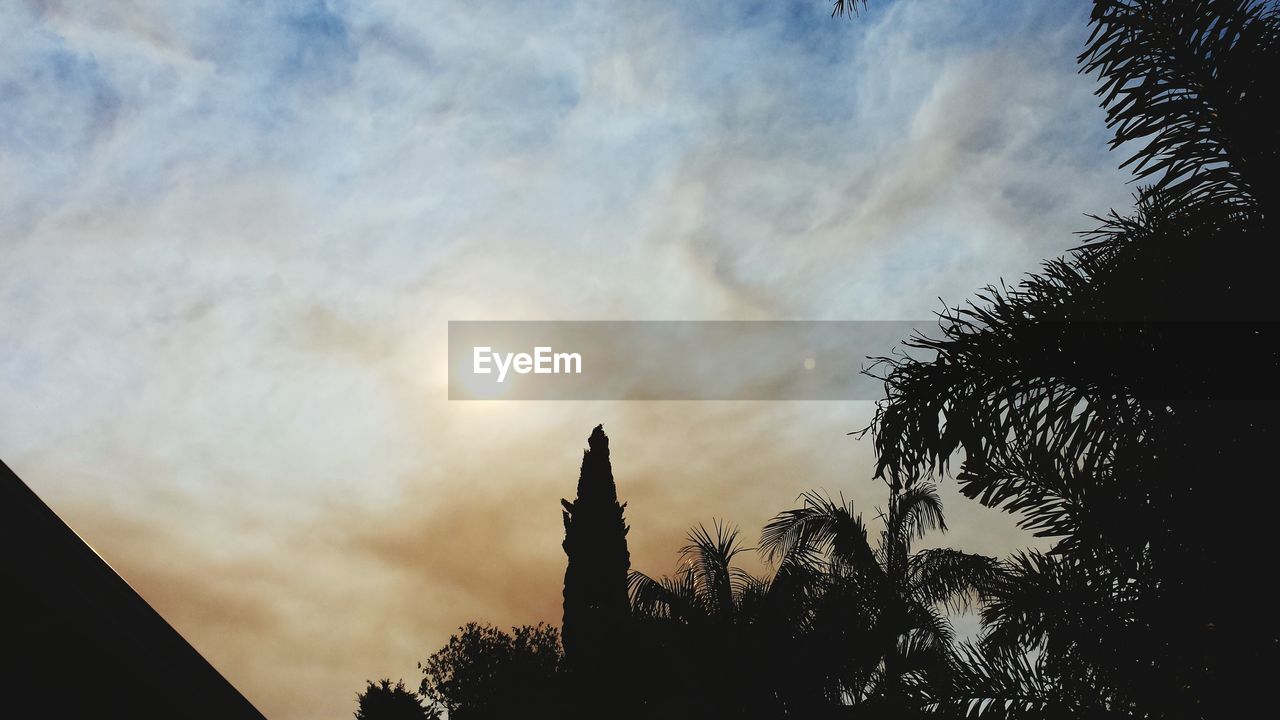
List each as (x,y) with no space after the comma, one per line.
(233,234)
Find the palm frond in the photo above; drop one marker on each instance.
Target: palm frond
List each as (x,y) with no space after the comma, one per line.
(840,8)
(989,686)
(928,625)
(820,526)
(951,578)
(710,554)
(669,598)
(915,511)
(1183,77)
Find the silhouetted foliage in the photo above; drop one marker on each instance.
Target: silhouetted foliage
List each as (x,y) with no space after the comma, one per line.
(717,639)
(1194,80)
(1105,397)
(484,673)
(840,8)
(840,622)
(884,603)
(595,582)
(384,701)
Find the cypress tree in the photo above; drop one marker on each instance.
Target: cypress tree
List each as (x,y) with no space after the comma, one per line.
(596,609)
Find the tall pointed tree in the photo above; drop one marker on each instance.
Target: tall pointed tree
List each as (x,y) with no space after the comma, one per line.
(596,608)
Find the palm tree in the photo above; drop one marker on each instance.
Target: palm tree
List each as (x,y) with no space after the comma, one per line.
(1052,628)
(708,588)
(879,608)
(1011,687)
(731,635)
(1104,399)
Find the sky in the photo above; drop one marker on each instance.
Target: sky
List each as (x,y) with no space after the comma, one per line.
(234,234)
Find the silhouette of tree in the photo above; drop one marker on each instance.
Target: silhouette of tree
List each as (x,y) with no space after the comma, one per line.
(384,701)
(1192,79)
(483,673)
(1103,398)
(1018,685)
(726,637)
(596,612)
(882,605)
(838,623)
(1065,620)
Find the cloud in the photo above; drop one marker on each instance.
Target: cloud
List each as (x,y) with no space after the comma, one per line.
(234,235)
